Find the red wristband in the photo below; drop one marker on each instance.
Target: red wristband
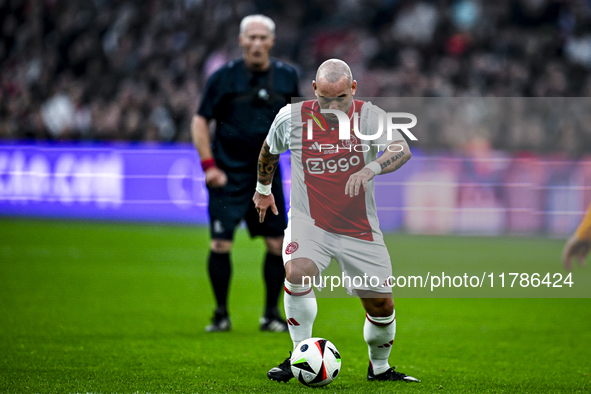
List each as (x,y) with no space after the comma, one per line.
(207,164)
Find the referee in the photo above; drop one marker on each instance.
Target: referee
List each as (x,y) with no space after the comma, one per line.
(243,98)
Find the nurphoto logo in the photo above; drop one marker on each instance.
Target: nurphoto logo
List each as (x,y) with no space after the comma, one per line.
(350,142)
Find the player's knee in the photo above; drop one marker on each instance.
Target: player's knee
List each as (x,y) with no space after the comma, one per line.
(288,271)
(220,245)
(274,245)
(299,270)
(380,307)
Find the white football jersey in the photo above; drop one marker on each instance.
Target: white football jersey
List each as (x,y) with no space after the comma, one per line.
(321,166)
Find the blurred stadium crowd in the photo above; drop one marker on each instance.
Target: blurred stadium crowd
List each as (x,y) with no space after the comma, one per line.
(135,70)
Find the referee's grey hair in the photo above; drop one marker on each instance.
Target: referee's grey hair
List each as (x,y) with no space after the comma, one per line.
(265,20)
(333,70)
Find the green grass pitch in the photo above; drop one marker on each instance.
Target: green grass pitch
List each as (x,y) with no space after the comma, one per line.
(110,307)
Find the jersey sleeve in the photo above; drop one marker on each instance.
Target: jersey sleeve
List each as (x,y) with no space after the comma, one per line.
(211,96)
(584,229)
(279,136)
(374,116)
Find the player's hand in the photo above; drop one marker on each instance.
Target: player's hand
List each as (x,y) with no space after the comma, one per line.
(357,180)
(577,248)
(262,203)
(215,178)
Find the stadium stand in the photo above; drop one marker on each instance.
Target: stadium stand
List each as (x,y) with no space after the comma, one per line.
(134,70)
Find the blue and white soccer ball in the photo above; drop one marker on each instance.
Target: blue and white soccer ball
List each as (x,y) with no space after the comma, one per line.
(315,362)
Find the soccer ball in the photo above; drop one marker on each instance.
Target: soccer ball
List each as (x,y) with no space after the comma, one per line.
(315,362)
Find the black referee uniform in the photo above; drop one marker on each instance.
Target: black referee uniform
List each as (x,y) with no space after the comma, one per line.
(244,103)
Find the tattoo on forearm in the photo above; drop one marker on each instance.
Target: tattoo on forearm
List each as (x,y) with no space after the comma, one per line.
(392,160)
(267,165)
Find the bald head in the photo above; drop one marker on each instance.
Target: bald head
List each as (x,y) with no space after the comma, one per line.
(334,86)
(333,70)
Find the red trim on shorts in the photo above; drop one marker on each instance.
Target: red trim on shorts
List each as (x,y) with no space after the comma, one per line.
(303,293)
(379,324)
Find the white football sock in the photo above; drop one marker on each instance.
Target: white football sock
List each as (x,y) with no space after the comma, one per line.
(300,311)
(379,333)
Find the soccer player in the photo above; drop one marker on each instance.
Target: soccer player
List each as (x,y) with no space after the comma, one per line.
(579,243)
(333,212)
(243,97)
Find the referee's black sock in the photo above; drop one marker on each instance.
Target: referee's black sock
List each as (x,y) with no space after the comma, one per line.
(274,275)
(220,270)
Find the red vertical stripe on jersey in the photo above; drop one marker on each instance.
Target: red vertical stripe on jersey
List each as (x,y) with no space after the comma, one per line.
(326,173)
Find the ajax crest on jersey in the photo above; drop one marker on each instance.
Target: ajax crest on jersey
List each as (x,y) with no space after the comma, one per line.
(315,362)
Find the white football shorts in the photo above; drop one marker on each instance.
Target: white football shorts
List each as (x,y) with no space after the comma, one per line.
(369,261)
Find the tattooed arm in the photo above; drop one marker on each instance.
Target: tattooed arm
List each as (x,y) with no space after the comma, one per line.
(268,163)
(395,155)
(391,161)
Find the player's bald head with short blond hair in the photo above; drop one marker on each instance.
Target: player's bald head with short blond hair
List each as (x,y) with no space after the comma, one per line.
(334,85)
(333,70)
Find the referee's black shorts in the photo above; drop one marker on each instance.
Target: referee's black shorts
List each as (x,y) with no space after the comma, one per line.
(231,204)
